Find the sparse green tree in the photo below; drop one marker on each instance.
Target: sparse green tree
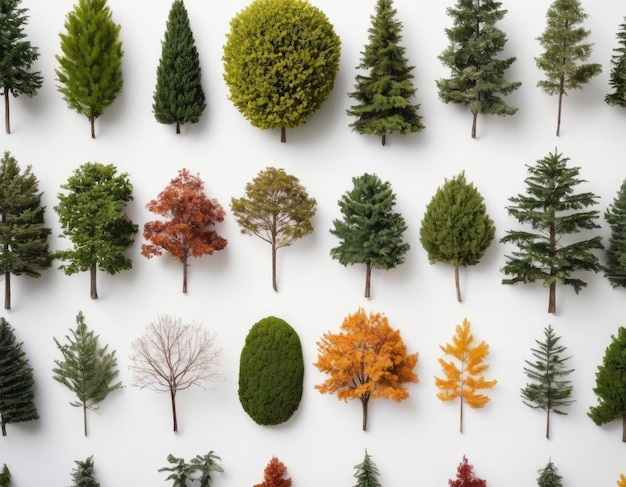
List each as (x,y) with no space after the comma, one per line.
(617,77)
(5,477)
(82,475)
(615,215)
(366,473)
(549,476)
(198,469)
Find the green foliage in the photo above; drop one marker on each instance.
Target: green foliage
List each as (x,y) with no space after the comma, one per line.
(271,372)
(615,215)
(549,476)
(384,94)
(17,396)
(456,228)
(5,477)
(281,58)
(82,475)
(178,96)
(367,473)
(90,68)
(617,77)
(86,369)
(197,470)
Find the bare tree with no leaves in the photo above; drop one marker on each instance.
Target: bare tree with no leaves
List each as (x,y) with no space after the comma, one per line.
(172,356)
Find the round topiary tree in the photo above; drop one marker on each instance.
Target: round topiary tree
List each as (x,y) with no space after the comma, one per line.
(271,372)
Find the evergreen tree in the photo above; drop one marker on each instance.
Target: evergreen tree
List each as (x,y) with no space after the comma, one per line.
(82,475)
(86,369)
(564,52)
(548,389)
(549,476)
(16,381)
(477,78)
(384,94)
(367,473)
(456,228)
(615,215)
(617,78)
(553,210)
(17,56)
(90,69)
(371,233)
(178,97)
(5,477)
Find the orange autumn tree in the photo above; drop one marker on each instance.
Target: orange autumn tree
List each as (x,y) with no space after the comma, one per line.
(366,360)
(622,481)
(464,382)
(274,475)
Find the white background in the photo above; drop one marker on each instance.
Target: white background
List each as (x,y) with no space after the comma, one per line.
(415,442)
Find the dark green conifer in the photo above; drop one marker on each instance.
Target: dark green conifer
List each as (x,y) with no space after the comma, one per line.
(82,475)
(367,473)
(617,78)
(549,476)
(615,215)
(5,477)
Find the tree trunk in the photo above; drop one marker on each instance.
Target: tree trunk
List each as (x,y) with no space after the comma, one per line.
(85,418)
(177,127)
(623,428)
(7,112)
(384,141)
(461,416)
(283,135)
(368,278)
(92,279)
(364,401)
(92,123)
(474,119)
(7,290)
(552,298)
(174,419)
(456,282)
(548,424)
(558,116)
(274,286)
(185,265)
(4,428)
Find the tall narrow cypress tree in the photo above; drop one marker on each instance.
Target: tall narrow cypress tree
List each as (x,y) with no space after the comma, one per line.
(615,215)
(617,78)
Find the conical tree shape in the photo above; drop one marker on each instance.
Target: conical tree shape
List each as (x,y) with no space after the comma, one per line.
(617,78)
(615,215)
(274,475)
(82,475)
(465,476)
(549,476)
(5,477)
(366,473)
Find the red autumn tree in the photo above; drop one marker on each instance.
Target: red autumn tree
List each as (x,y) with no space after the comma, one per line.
(274,475)
(190,214)
(465,476)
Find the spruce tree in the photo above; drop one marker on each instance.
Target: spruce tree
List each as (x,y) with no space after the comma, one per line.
(366,473)
(17,396)
(549,476)
(17,56)
(477,75)
(553,210)
(178,96)
(456,228)
(562,60)
(384,94)
(617,77)
(82,475)
(615,215)
(5,477)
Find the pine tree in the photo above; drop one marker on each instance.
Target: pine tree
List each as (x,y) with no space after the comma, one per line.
(477,78)
(617,77)
(549,476)
(82,475)
(456,228)
(178,96)
(615,215)
(5,477)
(367,473)
(564,52)
(384,94)
(553,210)
(16,381)
(549,390)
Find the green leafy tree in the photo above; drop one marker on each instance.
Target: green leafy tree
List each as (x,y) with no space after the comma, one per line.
(5,477)
(456,228)
(198,469)
(89,371)
(562,60)
(553,210)
(17,56)
(549,476)
(384,94)
(178,97)
(617,77)
(82,475)
(549,389)
(371,233)
(281,59)
(277,209)
(90,68)
(92,216)
(615,215)
(23,236)
(17,395)
(366,473)
(477,75)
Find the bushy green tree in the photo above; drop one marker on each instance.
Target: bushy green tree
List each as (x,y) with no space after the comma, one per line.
(281,59)
(90,68)
(549,476)
(82,475)
(617,77)
(366,473)
(5,477)
(384,94)
(198,469)
(615,215)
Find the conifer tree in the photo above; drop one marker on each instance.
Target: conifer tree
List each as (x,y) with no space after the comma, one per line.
(384,94)
(178,96)
(617,77)
(615,215)
(17,56)
(5,477)
(477,75)
(17,396)
(553,209)
(456,228)
(82,475)
(549,476)
(90,68)
(367,473)
(548,389)
(562,60)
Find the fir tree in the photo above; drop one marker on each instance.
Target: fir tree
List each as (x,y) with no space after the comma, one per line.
(384,94)
(553,210)
(615,215)
(5,477)
(178,97)
(617,78)
(477,78)
(16,381)
(366,473)
(549,476)
(82,475)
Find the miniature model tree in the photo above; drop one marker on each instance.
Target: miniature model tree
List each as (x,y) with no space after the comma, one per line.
(611,384)
(188,230)
(477,75)
(370,233)
(17,56)
(562,60)
(548,389)
(92,216)
(465,476)
(617,77)
(197,470)
(549,476)
(456,228)
(90,68)
(178,96)
(367,473)
(172,356)
(271,372)
(622,481)
(277,209)
(465,381)
(5,477)
(366,360)
(23,236)
(384,94)
(615,215)
(281,59)
(274,475)
(82,475)
(17,395)
(553,209)
(89,371)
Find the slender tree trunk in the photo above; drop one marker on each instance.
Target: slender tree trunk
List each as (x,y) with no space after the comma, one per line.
(384,141)
(368,278)
(174,419)
(461,416)
(364,401)
(185,266)
(474,120)
(4,428)
(7,290)
(552,297)
(558,116)
(92,123)
(456,282)
(548,424)
(92,279)
(7,112)
(283,135)
(274,286)
(85,418)
(177,127)
(623,428)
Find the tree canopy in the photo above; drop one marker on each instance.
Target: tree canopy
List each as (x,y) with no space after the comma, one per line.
(617,77)
(615,215)
(465,476)
(366,472)
(198,469)
(274,475)
(83,474)
(549,476)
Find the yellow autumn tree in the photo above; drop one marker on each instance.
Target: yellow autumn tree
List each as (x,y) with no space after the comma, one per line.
(622,481)
(366,360)
(463,381)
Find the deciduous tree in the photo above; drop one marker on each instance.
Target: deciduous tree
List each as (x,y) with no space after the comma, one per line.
(367,473)
(274,475)
(83,474)
(198,469)
(549,476)
(617,77)
(615,215)
(465,476)
(622,481)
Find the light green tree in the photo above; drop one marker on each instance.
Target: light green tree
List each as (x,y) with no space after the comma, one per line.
(617,78)
(198,469)
(366,473)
